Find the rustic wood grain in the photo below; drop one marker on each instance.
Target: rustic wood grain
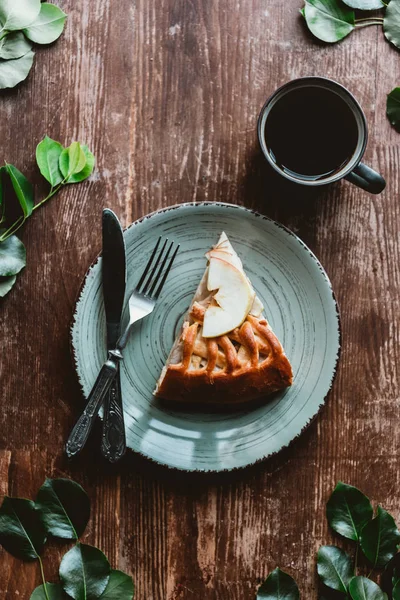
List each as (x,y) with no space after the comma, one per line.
(167,93)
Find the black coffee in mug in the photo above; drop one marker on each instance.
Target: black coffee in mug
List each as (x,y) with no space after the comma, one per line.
(313,132)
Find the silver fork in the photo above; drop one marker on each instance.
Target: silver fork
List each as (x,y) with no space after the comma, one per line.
(141,303)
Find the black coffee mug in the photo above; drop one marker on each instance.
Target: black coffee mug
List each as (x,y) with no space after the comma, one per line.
(313,132)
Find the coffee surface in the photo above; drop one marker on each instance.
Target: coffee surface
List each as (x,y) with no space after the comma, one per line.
(311,133)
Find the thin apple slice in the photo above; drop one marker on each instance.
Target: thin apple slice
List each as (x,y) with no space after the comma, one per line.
(233,259)
(225,251)
(257,307)
(234,298)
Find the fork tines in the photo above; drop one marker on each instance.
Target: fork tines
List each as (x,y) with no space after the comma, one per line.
(152,283)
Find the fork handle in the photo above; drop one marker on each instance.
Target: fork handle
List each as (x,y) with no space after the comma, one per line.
(113,441)
(80,433)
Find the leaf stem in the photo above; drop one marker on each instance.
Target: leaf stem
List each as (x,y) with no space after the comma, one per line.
(21,220)
(12,229)
(52,192)
(368,24)
(370,19)
(356,558)
(43,578)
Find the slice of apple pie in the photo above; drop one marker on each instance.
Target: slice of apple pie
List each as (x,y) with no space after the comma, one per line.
(226,353)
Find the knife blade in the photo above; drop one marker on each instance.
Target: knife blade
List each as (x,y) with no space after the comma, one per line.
(113,442)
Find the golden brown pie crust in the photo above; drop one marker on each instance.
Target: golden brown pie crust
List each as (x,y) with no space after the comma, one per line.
(246,364)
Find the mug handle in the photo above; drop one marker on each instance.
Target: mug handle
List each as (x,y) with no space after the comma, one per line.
(367,179)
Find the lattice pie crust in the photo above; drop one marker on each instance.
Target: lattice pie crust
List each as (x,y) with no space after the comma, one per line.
(245,364)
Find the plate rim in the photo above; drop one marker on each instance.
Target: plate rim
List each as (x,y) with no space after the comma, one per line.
(227,205)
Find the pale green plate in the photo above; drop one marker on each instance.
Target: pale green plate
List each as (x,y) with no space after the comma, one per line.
(299,304)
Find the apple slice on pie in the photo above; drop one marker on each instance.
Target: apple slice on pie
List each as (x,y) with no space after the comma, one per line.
(226,353)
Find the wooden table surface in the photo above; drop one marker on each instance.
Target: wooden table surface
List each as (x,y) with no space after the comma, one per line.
(167,93)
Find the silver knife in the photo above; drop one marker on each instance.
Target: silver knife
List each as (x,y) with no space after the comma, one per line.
(114,275)
(113,442)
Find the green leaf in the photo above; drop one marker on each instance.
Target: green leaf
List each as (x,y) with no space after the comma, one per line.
(48,26)
(329,20)
(391,23)
(12,72)
(6,283)
(278,586)
(361,588)
(365,4)
(380,538)
(388,576)
(120,587)
(17,14)
(334,568)
(14,45)
(12,256)
(3,173)
(54,592)
(22,188)
(84,572)
(396,584)
(87,169)
(48,154)
(393,108)
(21,531)
(72,160)
(328,594)
(64,508)
(348,510)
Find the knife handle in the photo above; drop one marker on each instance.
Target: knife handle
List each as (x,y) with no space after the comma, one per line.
(113,441)
(80,433)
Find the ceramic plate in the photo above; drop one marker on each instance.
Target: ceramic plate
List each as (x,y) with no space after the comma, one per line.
(299,304)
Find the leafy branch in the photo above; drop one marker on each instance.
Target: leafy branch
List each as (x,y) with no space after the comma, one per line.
(350,514)
(393,108)
(60,167)
(332,20)
(21,23)
(61,510)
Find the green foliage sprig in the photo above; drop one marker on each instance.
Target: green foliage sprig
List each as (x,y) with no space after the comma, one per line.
(332,20)
(350,514)
(59,166)
(21,23)
(278,586)
(61,510)
(393,108)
